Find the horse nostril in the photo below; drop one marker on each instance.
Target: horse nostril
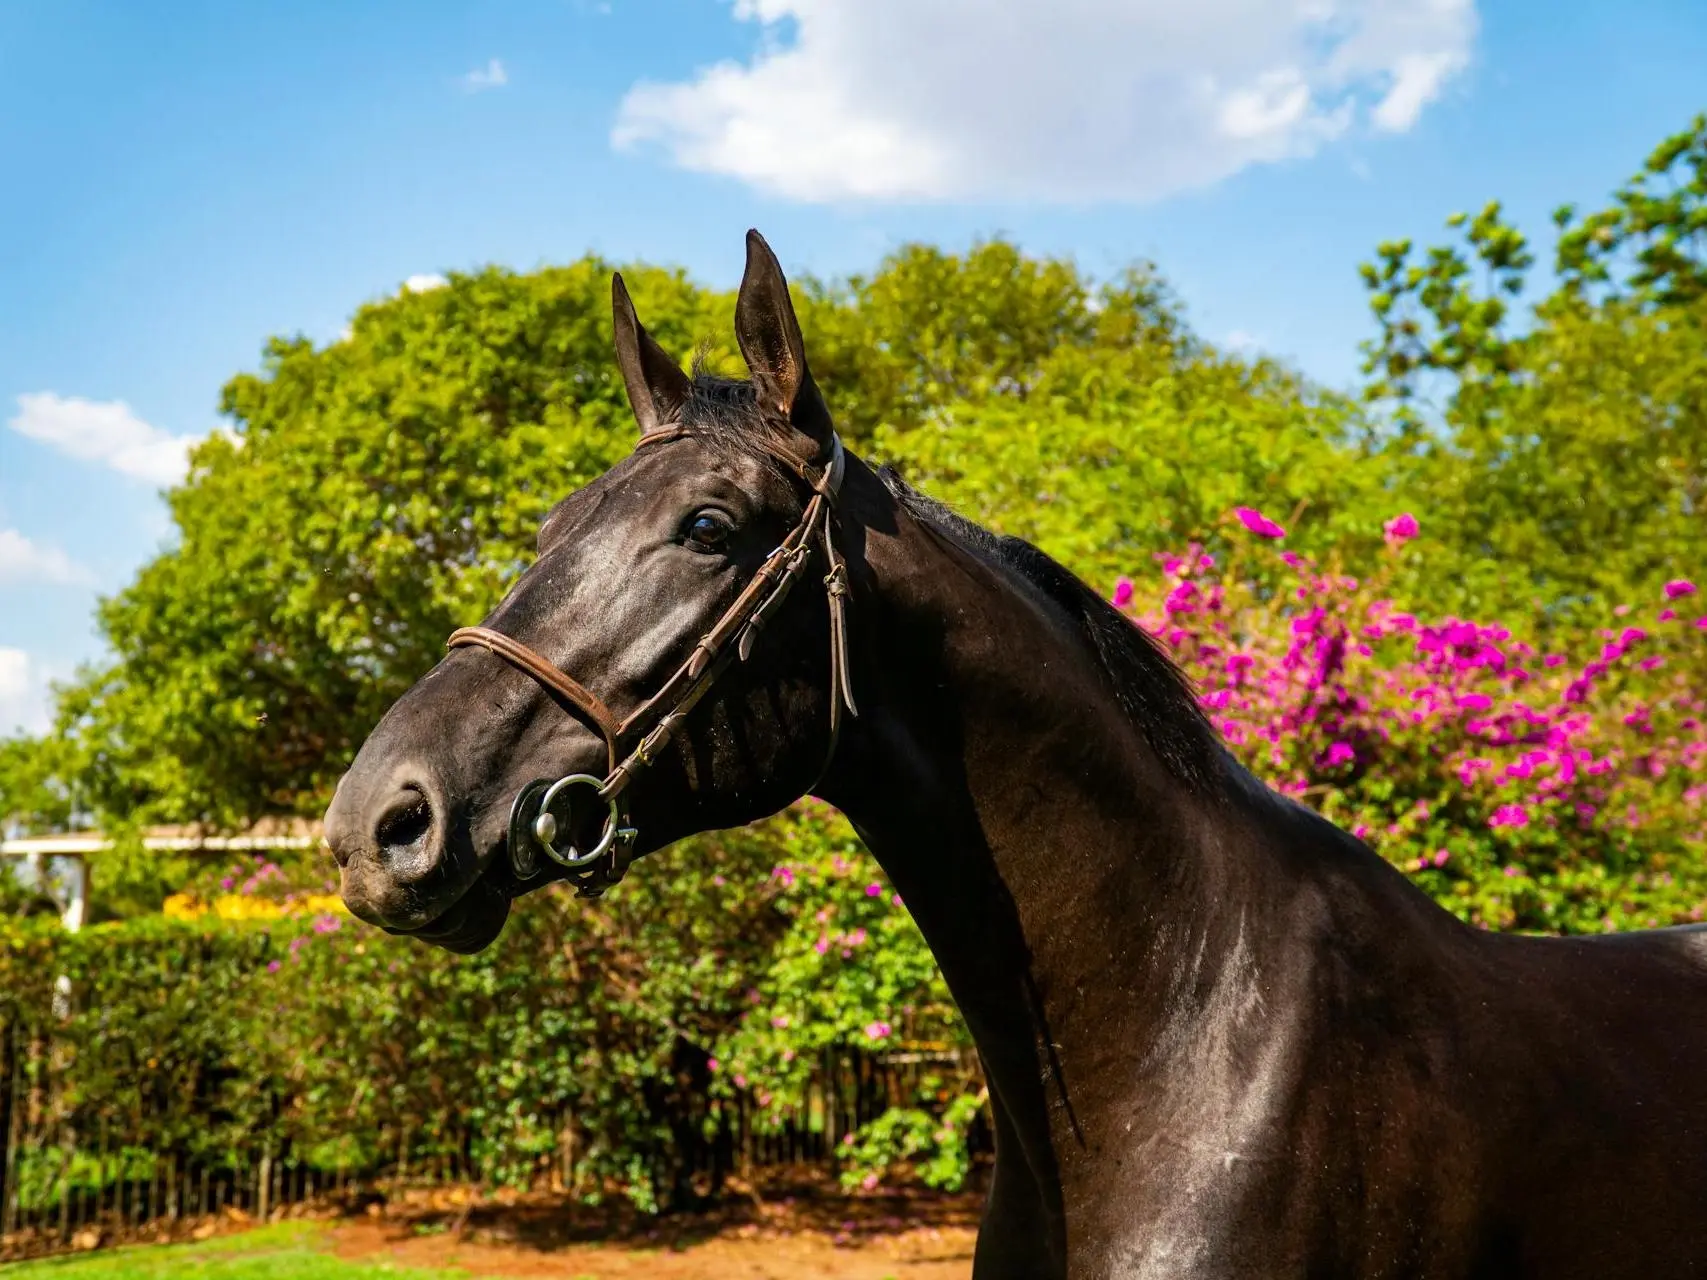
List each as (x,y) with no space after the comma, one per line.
(405,823)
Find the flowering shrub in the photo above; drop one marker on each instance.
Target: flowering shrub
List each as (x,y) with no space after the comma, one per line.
(850,969)
(1552,784)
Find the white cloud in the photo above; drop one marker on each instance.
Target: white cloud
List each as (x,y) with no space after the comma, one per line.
(23,560)
(1417,78)
(1242,342)
(1067,101)
(490,76)
(104,431)
(424,282)
(24,694)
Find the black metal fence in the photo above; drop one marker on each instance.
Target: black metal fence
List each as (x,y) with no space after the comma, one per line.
(62,1189)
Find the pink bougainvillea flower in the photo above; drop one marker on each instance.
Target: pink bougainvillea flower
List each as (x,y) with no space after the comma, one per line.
(1258,523)
(712,1064)
(874,891)
(1180,598)
(1666,615)
(1510,815)
(878,1030)
(1339,753)
(1400,529)
(1677,588)
(1122,592)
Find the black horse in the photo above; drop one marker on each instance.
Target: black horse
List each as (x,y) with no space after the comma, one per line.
(1222,1037)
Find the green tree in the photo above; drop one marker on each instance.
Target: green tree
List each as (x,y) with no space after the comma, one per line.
(931,329)
(375,494)
(1110,459)
(1562,454)
(33,793)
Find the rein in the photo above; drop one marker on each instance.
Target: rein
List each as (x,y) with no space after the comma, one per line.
(534,819)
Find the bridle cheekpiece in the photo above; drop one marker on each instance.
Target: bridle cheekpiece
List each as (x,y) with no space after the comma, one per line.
(535,821)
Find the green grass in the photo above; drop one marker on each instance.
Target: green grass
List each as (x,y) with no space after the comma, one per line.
(290,1251)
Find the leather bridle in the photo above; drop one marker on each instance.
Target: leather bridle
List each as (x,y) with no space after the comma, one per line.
(534,821)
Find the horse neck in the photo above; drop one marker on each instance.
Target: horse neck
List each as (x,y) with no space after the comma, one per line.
(1081,901)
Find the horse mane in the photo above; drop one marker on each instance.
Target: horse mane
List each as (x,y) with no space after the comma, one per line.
(1149,687)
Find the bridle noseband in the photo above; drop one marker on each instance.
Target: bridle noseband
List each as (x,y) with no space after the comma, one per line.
(534,820)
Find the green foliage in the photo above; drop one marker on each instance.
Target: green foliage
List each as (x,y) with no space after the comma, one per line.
(931,329)
(1107,461)
(35,794)
(1431,317)
(1583,483)
(849,968)
(930,1142)
(1564,459)
(1651,244)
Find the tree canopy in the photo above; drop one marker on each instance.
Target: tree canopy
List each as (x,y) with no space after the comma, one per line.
(1563,454)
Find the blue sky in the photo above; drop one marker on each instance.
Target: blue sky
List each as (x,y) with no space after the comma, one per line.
(181,182)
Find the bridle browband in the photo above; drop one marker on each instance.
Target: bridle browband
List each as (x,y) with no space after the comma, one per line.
(534,824)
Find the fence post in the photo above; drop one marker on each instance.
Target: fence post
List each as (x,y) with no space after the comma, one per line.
(265,1199)
(9,1187)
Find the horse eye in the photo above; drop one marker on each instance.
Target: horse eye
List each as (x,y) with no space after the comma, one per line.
(709,529)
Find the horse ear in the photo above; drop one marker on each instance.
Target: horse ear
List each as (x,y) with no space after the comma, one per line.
(769,334)
(656,385)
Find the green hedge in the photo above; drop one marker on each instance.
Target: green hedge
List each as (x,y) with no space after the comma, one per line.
(589,1032)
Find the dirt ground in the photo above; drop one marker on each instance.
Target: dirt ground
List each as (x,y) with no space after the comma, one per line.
(780,1233)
